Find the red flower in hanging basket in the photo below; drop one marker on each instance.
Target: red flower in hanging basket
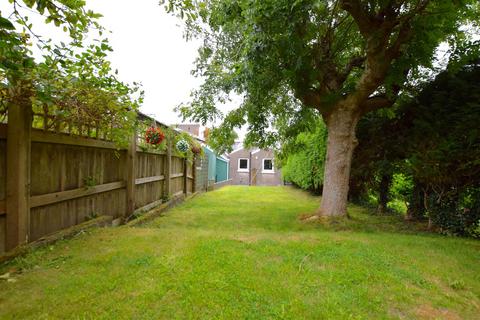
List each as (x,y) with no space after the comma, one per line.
(154,135)
(196,149)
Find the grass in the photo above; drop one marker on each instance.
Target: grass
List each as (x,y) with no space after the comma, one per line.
(242,253)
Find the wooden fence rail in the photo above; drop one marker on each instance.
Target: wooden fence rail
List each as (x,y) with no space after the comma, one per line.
(51,181)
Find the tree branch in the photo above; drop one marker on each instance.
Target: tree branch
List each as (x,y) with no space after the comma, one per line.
(405,30)
(354,62)
(309,99)
(377,102)
(404,34)
(365,22)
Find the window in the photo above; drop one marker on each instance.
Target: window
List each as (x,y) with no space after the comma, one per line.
(243,165)
(267,165)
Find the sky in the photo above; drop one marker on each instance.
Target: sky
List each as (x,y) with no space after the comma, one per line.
(149,48)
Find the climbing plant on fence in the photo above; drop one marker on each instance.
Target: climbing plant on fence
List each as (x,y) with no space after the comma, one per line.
(156,137)
(72,88)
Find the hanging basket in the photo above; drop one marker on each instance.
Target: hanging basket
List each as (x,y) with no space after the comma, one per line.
(154,136)
(182,146)
(196,149)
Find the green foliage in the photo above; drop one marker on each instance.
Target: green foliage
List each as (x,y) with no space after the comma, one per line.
(432,149)
(457,212)
(304,158)
(444,148)
(73,82)
(400,191)
(283,56)
(222,139)
(89,181)
(402,186)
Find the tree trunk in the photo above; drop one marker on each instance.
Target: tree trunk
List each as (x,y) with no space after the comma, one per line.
(341,142)
(416,208)
(383,194)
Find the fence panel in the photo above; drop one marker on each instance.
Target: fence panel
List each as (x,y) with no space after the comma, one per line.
(150,176)
(72,179)
(49,219)
(190,175)
(3,179)
(73,167)
(89,180)
(177,179)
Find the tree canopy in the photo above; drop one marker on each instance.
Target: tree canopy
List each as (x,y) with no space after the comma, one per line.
(341,59)
(280,55)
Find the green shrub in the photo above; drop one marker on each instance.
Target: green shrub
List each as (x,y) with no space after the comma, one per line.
(305,159)
(456,212)
(400,190)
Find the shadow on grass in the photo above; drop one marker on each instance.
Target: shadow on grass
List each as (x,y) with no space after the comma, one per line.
(366,220)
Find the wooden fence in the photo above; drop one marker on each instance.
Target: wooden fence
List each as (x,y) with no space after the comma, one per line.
(50,181)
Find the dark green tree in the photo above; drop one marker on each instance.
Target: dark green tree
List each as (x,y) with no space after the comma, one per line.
(444,148)
(378,157)
(435,140)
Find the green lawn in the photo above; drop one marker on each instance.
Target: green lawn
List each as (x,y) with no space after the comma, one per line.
(242,253)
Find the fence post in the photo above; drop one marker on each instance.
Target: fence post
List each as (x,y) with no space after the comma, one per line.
(194,174)
(131,159)
(18,174)
(168,171)
(185,176)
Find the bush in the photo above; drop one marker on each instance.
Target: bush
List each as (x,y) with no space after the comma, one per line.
(400,190)
(456,212)
(305,159)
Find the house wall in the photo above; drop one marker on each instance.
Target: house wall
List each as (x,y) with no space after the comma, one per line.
(190,128)
(239,178)
(255,173)
(261,178)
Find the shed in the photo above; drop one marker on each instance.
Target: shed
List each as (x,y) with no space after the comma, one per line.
(218,166)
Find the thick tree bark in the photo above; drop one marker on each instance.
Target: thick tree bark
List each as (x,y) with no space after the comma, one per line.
(341,123)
